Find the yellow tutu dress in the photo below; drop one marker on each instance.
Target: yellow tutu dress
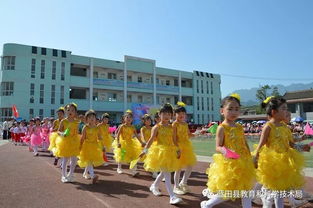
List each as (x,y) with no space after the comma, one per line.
(91,151)
(68,146)
(146,133)
(232,175)
(188,157)
(280,166)
(130,146)
(106,137)
(162,154)
(53,136)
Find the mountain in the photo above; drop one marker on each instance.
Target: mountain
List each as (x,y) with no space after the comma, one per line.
(248,97)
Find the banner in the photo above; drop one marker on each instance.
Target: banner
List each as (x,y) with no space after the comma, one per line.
(141,109)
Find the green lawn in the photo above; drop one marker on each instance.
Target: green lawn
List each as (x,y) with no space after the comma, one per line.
(206,146)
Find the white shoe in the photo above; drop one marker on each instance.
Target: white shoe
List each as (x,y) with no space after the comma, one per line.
(184,188)
(64,180)
(163,180)
(257,201)
(70,178)
(178,191)
(135,173)
(307,196)
(105,164)
(298,203)
(119,170)
(155,190)
(86,176)
(175,200)
(203,204)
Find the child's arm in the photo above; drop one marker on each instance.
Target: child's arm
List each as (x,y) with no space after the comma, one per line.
(119,131)
(175,140)
(142,137)
(219,144)
(138,137)
(154,132)
(263,140)
(83,137)
(61,129)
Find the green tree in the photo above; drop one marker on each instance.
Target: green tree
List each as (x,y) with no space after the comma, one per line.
(275,92)
(262,92)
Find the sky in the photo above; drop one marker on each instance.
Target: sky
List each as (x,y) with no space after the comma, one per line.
(269,41)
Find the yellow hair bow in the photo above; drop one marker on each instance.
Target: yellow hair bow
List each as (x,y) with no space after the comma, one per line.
(235,95)
(268,99)
(181,104)
(74,104)
(129,111)
(61,108)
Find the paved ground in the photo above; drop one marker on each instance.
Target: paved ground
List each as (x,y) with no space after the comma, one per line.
(28,181)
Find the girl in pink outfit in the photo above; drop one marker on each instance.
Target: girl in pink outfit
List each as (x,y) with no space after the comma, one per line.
(35,138)
(45,130)
(26,138)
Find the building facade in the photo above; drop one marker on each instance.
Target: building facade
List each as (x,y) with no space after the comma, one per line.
(39,80)
(300,103)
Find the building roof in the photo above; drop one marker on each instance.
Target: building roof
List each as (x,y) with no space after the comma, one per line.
(301,94)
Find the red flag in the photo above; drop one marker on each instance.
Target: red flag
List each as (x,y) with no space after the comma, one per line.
(15,111)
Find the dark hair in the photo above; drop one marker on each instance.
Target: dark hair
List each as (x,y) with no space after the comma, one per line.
(179,109)
(90,113)
(229,99)
(71,105)
(273,104)
(37,119)
(146,117)
(60,110)
(105,115)
(166,108)
(128,113)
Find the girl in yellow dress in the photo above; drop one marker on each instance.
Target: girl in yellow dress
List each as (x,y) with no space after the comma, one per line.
(67,142)
(54,134)
(145,131)
(90,151)
(107,139)
(127,146)
(188,157)
(279,166)
(228,177)
(163,154)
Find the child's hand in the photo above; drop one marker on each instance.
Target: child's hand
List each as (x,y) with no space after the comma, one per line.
(255,161)
(119,145)
(143,144)
(142,154)
(178,153)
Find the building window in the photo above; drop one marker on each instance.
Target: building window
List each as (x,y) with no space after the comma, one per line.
(211,88)
(167,82)
(129,98)
(198,103)
(140,79)
(113,76)
(52,94)
(8,63)
(95,96)
(201,86)
(208,103)
(7,88)
(212,117)
(176,82)
(203,119)
(33,69)
(42,93)
(212,104)
(54,69)
(202,103)
(31,113)
(32,93)
(52,113)
(43,51)
(198,118)
(112,97)
(41,114)
(292,107)
(157,80)
(307,107)
(34,49)
(168,100)
(129,78)
(140,99)
(5,113)
(207,87)
(62,95)
(55,52)
(63,54)
(42,71)
(95,74)
(62,70)
(197,86)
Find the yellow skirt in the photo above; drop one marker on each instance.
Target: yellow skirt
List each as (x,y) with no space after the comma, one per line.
(188,157)
(280,171)
(52,138)
(67,146)
(107,143)
(162,158)
(230,175)
(130,150)
(90,154)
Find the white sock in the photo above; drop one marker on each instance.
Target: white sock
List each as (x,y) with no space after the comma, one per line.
(35,149)
(73,165)
(177,178)
(186,175)
(246,202)
(85,171)
(91,172)
(64,166)
(119,166)
(279,202)
(158,179)
(168,184)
